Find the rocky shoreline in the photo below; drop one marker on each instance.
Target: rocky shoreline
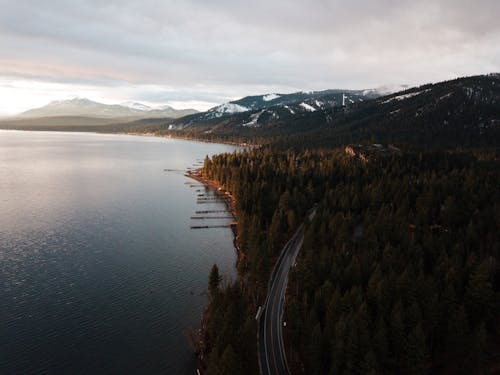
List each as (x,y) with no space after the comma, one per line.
(198,336)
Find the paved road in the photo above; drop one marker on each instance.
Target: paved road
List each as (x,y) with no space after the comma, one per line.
(272,358)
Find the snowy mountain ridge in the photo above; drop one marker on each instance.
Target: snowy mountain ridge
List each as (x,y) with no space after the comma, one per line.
(89,108)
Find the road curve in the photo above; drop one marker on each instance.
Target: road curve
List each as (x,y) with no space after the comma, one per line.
(272,357)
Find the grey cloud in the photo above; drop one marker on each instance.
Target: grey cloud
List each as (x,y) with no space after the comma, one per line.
(238,47)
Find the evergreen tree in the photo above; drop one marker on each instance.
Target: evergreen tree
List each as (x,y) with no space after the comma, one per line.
(214,280)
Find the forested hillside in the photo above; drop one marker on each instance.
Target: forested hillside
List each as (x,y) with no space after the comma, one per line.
(451,114)
(399,272)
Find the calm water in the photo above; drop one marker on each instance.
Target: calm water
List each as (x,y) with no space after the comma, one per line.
(99,270)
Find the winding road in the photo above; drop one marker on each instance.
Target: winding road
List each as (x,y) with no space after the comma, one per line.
(272,357)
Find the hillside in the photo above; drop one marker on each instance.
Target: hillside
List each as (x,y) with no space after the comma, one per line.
(399,270)
(461,112)
(261,110)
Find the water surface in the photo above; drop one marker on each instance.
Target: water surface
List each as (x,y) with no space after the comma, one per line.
(99,269)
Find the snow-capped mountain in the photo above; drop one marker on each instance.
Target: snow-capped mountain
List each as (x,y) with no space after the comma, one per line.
(462,111)
(88,108)
(273,105)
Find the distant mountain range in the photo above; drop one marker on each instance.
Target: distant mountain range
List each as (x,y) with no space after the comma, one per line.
(257,110)
(83,107)
(461,112)
(250,111)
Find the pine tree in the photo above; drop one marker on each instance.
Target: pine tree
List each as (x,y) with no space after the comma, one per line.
(214,280)
(229,364)
(417,357)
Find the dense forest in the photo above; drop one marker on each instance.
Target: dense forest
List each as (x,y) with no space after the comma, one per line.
(270,204)
(399,272)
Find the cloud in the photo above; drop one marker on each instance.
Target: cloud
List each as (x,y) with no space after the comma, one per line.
(208,51)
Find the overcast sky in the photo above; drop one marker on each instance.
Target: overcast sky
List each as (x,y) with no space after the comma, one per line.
(193,53)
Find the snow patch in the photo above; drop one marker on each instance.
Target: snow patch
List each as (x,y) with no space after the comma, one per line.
(405,96)
(136,105)
(307,107)
(228,108)
(253,120)
(446,96)
(386,89)
(291,110)
(469,91)
(269,97)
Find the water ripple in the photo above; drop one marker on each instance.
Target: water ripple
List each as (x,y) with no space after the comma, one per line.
(99,272)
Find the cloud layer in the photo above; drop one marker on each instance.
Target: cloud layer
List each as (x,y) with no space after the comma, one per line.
(198,52)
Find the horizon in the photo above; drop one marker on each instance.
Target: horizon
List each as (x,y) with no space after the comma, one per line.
(159,105)
(201,108)
(389,89)
(197,55)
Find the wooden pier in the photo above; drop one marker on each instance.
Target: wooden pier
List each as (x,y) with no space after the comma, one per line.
(211,211)
(210,226)
(172,170)
(203,197)
(211,217)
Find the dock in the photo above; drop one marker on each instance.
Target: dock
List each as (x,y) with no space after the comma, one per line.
(211,211)
(210,226)
(210,217)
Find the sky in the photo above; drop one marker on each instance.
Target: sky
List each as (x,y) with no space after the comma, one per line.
(199,53)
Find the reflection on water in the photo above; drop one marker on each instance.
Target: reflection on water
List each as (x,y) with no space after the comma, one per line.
(99,271)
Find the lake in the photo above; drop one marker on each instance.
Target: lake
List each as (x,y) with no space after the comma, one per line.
(99,269)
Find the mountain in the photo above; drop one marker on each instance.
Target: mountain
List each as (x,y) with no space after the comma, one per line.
(461,112)
(258,110)
(88,108)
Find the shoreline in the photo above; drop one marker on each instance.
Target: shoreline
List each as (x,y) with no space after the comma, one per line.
(192,139)
(139,134)
(230,202)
